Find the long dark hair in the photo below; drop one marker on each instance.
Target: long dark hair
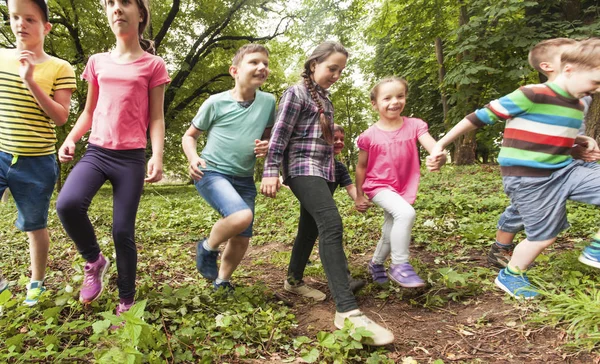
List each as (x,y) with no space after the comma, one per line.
(320,54)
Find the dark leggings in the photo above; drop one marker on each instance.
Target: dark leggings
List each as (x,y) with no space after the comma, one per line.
(125,169)
(319,216)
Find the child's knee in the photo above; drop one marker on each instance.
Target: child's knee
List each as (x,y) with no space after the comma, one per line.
(241,219)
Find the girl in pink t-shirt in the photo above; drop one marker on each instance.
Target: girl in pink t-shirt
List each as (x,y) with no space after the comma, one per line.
(124,100)
(388,172)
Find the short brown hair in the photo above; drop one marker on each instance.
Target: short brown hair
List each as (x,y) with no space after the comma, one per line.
(43,5)
(338,127)
(542,51)
(247,49)
(375,88)
(585,55)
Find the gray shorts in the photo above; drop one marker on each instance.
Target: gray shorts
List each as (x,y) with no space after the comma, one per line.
(542,201)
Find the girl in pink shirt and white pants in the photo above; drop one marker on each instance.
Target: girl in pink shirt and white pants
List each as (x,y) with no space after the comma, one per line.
(125,99)
(388,172)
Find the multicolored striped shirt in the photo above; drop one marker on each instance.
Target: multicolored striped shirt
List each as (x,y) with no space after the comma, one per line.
(297,142)
(25,129)
(542,122)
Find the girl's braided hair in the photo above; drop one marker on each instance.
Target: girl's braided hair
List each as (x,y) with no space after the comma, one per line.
(320,54)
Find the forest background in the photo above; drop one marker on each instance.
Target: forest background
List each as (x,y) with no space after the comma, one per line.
(456,55)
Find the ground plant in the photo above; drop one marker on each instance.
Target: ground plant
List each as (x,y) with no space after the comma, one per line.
(459,316)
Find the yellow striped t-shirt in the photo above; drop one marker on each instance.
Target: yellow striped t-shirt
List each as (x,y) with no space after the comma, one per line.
(25,129)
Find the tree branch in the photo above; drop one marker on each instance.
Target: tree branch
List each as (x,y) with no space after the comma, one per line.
(166,24)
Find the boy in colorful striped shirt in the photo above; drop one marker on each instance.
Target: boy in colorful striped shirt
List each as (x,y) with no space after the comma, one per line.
(538,172)
(35,96)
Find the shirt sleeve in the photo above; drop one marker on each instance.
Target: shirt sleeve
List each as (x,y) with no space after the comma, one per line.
(288,114)
(363,142)
(343,175)
(160,75)
(422,127)
(271,121)
(504,108)
(65,77)
(89,72)
(206,115)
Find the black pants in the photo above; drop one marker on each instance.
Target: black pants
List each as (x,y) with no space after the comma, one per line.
(319,216)
(125,170)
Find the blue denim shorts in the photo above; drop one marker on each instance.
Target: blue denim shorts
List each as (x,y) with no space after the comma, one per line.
(542,201)
(228,194)
(31,182)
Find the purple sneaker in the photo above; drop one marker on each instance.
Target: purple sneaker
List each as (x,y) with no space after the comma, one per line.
(124,307)
(378,273)
(404,274)
(92,279)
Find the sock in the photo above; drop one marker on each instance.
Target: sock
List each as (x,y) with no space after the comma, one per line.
(504,246)
(349,313)
(595,244)
(207,247)
(219,280)
(40,283)
(513,271)
(126,301)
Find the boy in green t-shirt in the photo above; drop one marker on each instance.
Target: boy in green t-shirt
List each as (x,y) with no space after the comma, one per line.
(238,123)
(35,96)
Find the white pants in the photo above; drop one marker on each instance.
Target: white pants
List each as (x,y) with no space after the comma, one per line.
(399,217)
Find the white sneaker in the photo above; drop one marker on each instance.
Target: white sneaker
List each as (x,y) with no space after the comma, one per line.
(304,290)
(3,284)
(381,335)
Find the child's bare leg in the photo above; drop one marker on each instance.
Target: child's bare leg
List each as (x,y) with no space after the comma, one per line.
(39,244)
(229,227)
(504,237)
(232,255)
(526,252)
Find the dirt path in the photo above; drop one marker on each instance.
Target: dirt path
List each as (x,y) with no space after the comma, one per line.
(487,328)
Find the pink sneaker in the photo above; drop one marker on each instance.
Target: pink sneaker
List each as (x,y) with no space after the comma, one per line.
(405,275)
(92,280)
(124,307)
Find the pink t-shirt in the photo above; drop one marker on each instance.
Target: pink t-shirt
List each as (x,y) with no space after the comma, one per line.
(122,117)
(393,161)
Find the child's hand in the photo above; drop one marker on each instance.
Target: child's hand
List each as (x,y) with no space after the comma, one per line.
(581,152)
(436,159)
(155,170)
(361,203)
(66,151)
(269,186)
(26,58)
(195,172)
(261,147)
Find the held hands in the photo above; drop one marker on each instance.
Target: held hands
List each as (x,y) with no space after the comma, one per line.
(66,151)
(362,204)
(155,170)
(269,186)
(261,147)
(581,152)
(193,170)
(436,159)
(26,58)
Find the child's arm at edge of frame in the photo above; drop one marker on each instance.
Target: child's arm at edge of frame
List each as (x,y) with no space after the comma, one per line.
(361,202)
(157,133)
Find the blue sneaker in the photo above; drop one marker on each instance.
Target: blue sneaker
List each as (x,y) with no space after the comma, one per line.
(34,292)
(224,286)
(206,261)
(516,286)
(590,256)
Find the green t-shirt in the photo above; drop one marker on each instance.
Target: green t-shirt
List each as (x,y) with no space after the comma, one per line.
(232,130)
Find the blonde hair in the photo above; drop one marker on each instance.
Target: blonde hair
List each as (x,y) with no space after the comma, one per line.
(546,49)
(319,55)
(375,88)
(144,6)
(247,49)
(585,55)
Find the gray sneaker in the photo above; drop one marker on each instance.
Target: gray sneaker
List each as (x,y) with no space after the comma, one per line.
(3,284)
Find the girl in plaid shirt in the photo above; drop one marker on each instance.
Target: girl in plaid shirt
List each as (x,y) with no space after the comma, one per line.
(302,144)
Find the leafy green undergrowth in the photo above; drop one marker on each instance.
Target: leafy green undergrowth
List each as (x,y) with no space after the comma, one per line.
(179,319)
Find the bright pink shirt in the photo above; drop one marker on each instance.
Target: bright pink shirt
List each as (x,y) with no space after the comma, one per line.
(393,161)
(122,114)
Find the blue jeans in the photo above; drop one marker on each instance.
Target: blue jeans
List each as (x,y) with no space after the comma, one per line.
(228,194)
(31,182)
(542,201)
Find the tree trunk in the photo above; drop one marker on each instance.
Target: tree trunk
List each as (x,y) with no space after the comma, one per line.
(592,120)
(439,52)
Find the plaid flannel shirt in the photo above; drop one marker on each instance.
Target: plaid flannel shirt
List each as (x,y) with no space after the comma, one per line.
(297,142)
